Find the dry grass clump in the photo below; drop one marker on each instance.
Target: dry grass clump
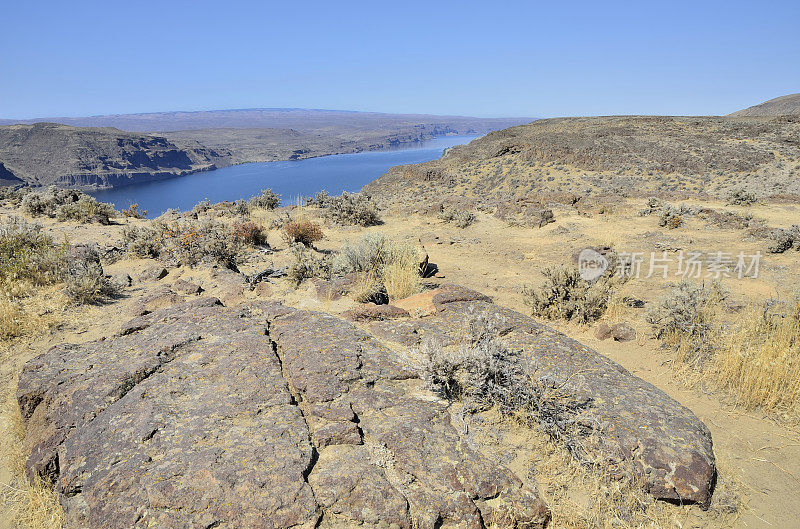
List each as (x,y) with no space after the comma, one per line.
(759,360)
(588,497)
(185,241)
(250,233)
(66,204)
(566,295)
(377,259)
(29,505)
(303,231)
(754,357)
(351,209)
(267,199)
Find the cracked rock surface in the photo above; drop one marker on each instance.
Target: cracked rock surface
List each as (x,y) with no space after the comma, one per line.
(264,416)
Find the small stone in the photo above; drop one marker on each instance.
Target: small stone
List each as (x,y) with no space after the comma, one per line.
(186,287)
(622,332)
(155,273)
(603,331)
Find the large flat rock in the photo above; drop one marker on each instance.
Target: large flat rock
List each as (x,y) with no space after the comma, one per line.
(263,416)
(198,415)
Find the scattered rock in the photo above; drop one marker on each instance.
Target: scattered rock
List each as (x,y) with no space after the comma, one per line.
(155,273)
(370,312)
(186,287)
(156,299)
(263,289)
(603,331)
(633,302)
(622,332)
(124,280)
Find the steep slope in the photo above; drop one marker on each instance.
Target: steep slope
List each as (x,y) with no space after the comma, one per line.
(611,155)
(7,178)
(780,106)
(53,154)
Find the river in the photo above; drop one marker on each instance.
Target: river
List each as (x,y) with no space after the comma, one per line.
(290,179)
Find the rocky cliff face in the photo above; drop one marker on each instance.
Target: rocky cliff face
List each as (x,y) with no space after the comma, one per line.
(261,415)
(47,153)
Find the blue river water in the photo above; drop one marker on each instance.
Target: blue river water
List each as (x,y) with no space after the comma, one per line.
(290,179)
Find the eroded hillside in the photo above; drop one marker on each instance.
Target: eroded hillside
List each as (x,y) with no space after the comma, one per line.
(624,155)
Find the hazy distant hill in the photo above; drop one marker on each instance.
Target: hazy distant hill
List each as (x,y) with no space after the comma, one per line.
(49,153)
(616,155)
(304,120)
(780,106)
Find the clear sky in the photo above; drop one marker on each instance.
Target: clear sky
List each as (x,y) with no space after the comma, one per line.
(489,58)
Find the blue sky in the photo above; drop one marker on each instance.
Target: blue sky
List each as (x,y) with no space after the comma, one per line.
(472,58)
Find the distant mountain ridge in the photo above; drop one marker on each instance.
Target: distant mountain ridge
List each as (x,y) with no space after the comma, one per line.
(277,118)
(780,106)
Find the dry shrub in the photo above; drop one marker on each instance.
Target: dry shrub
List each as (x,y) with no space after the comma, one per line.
(566,295)
(85,281)
(250,233)
(305,266)
(186,241)
(134,212)
(740,197)
(303,231)
(352,209)
(686,319)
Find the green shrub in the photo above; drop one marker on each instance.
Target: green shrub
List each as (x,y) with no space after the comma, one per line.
(66,204)
(566,295)
(460,217)
(265,200)
(353,209)
(27,254)
(84,281)
(86,209)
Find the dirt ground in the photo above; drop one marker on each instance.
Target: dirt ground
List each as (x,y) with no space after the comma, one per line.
(757,455)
